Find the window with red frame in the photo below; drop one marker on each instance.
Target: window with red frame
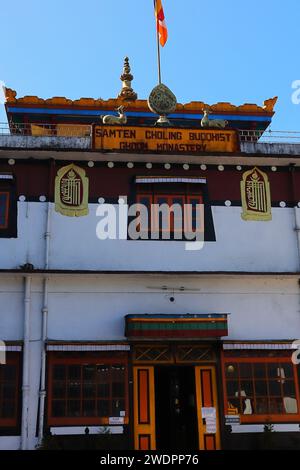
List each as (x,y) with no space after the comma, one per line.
(87,388)
(188,219)
(8,207)
(10,390)
(261,389)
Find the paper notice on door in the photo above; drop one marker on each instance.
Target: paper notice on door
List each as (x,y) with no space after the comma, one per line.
(208,412)
(211,425)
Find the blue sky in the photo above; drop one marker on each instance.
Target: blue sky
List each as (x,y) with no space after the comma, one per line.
(217,50)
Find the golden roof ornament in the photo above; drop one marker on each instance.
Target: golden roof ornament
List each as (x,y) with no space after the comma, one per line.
(127,93)
(162,101)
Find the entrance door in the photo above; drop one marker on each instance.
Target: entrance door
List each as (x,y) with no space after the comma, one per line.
(175,405)
(170,405)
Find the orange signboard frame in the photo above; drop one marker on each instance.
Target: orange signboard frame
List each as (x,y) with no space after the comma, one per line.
(164,140)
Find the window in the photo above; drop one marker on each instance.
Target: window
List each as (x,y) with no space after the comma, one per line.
(184,217)
(4,209)
(261,388)
(8,207)
(10,391)
(87,388)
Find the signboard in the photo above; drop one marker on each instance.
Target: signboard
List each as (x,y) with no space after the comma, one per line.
(116,420)
(170,140)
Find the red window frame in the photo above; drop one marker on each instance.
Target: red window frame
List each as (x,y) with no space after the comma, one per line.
(5,225)
(83,359)
(12,359)
(267,417)
(186,198)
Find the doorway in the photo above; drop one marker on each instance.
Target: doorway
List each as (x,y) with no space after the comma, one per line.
(175,408)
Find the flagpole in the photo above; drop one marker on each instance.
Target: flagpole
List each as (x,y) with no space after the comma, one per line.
(158,54)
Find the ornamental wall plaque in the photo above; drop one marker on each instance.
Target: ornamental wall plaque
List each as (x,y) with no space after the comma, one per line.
(71,191)
(256,196)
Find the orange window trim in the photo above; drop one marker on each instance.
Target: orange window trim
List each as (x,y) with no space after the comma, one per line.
(83,420)
(262,418)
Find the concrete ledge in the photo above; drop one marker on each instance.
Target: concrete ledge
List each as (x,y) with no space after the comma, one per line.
(268,148)
(44,142)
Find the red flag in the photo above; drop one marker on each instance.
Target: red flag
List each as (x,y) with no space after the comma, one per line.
(160,22)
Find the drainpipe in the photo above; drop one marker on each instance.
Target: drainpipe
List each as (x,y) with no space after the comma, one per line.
(42,392)
(26,378)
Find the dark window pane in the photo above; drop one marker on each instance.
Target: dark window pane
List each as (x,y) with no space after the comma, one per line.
(103,408)
(58,390)
(74,408)
(89,389)
(232,387)
(276,406)
(289,388)
(4,201)
(246,371)
(59,372)
(74,372)
(261,388)
(8,390)
(58,408)
(89,408)
(118,389)
(9,372)
(259,371)
(89,372)
(8,409)
(74,389)
(103,390)
(274,388)
(261,406)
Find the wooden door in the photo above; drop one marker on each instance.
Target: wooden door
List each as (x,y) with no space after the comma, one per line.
(144,408)
(206,397)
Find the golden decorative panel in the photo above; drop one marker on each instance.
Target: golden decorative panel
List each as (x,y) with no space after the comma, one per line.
(71,191)
(256,196)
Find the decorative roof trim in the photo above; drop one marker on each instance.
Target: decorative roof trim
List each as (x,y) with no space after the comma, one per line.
(5,176)
(88,347)
(163,179)
(11,347)
(268,346)
(193,106)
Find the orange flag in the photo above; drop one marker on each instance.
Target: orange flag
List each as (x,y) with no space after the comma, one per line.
(160,22)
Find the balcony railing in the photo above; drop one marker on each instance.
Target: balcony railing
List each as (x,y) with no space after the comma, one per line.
(86,130)
(46,130)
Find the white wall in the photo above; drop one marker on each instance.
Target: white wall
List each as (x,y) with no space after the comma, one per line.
(240,245)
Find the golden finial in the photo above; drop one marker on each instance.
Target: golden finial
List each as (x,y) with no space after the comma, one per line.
(127,93)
